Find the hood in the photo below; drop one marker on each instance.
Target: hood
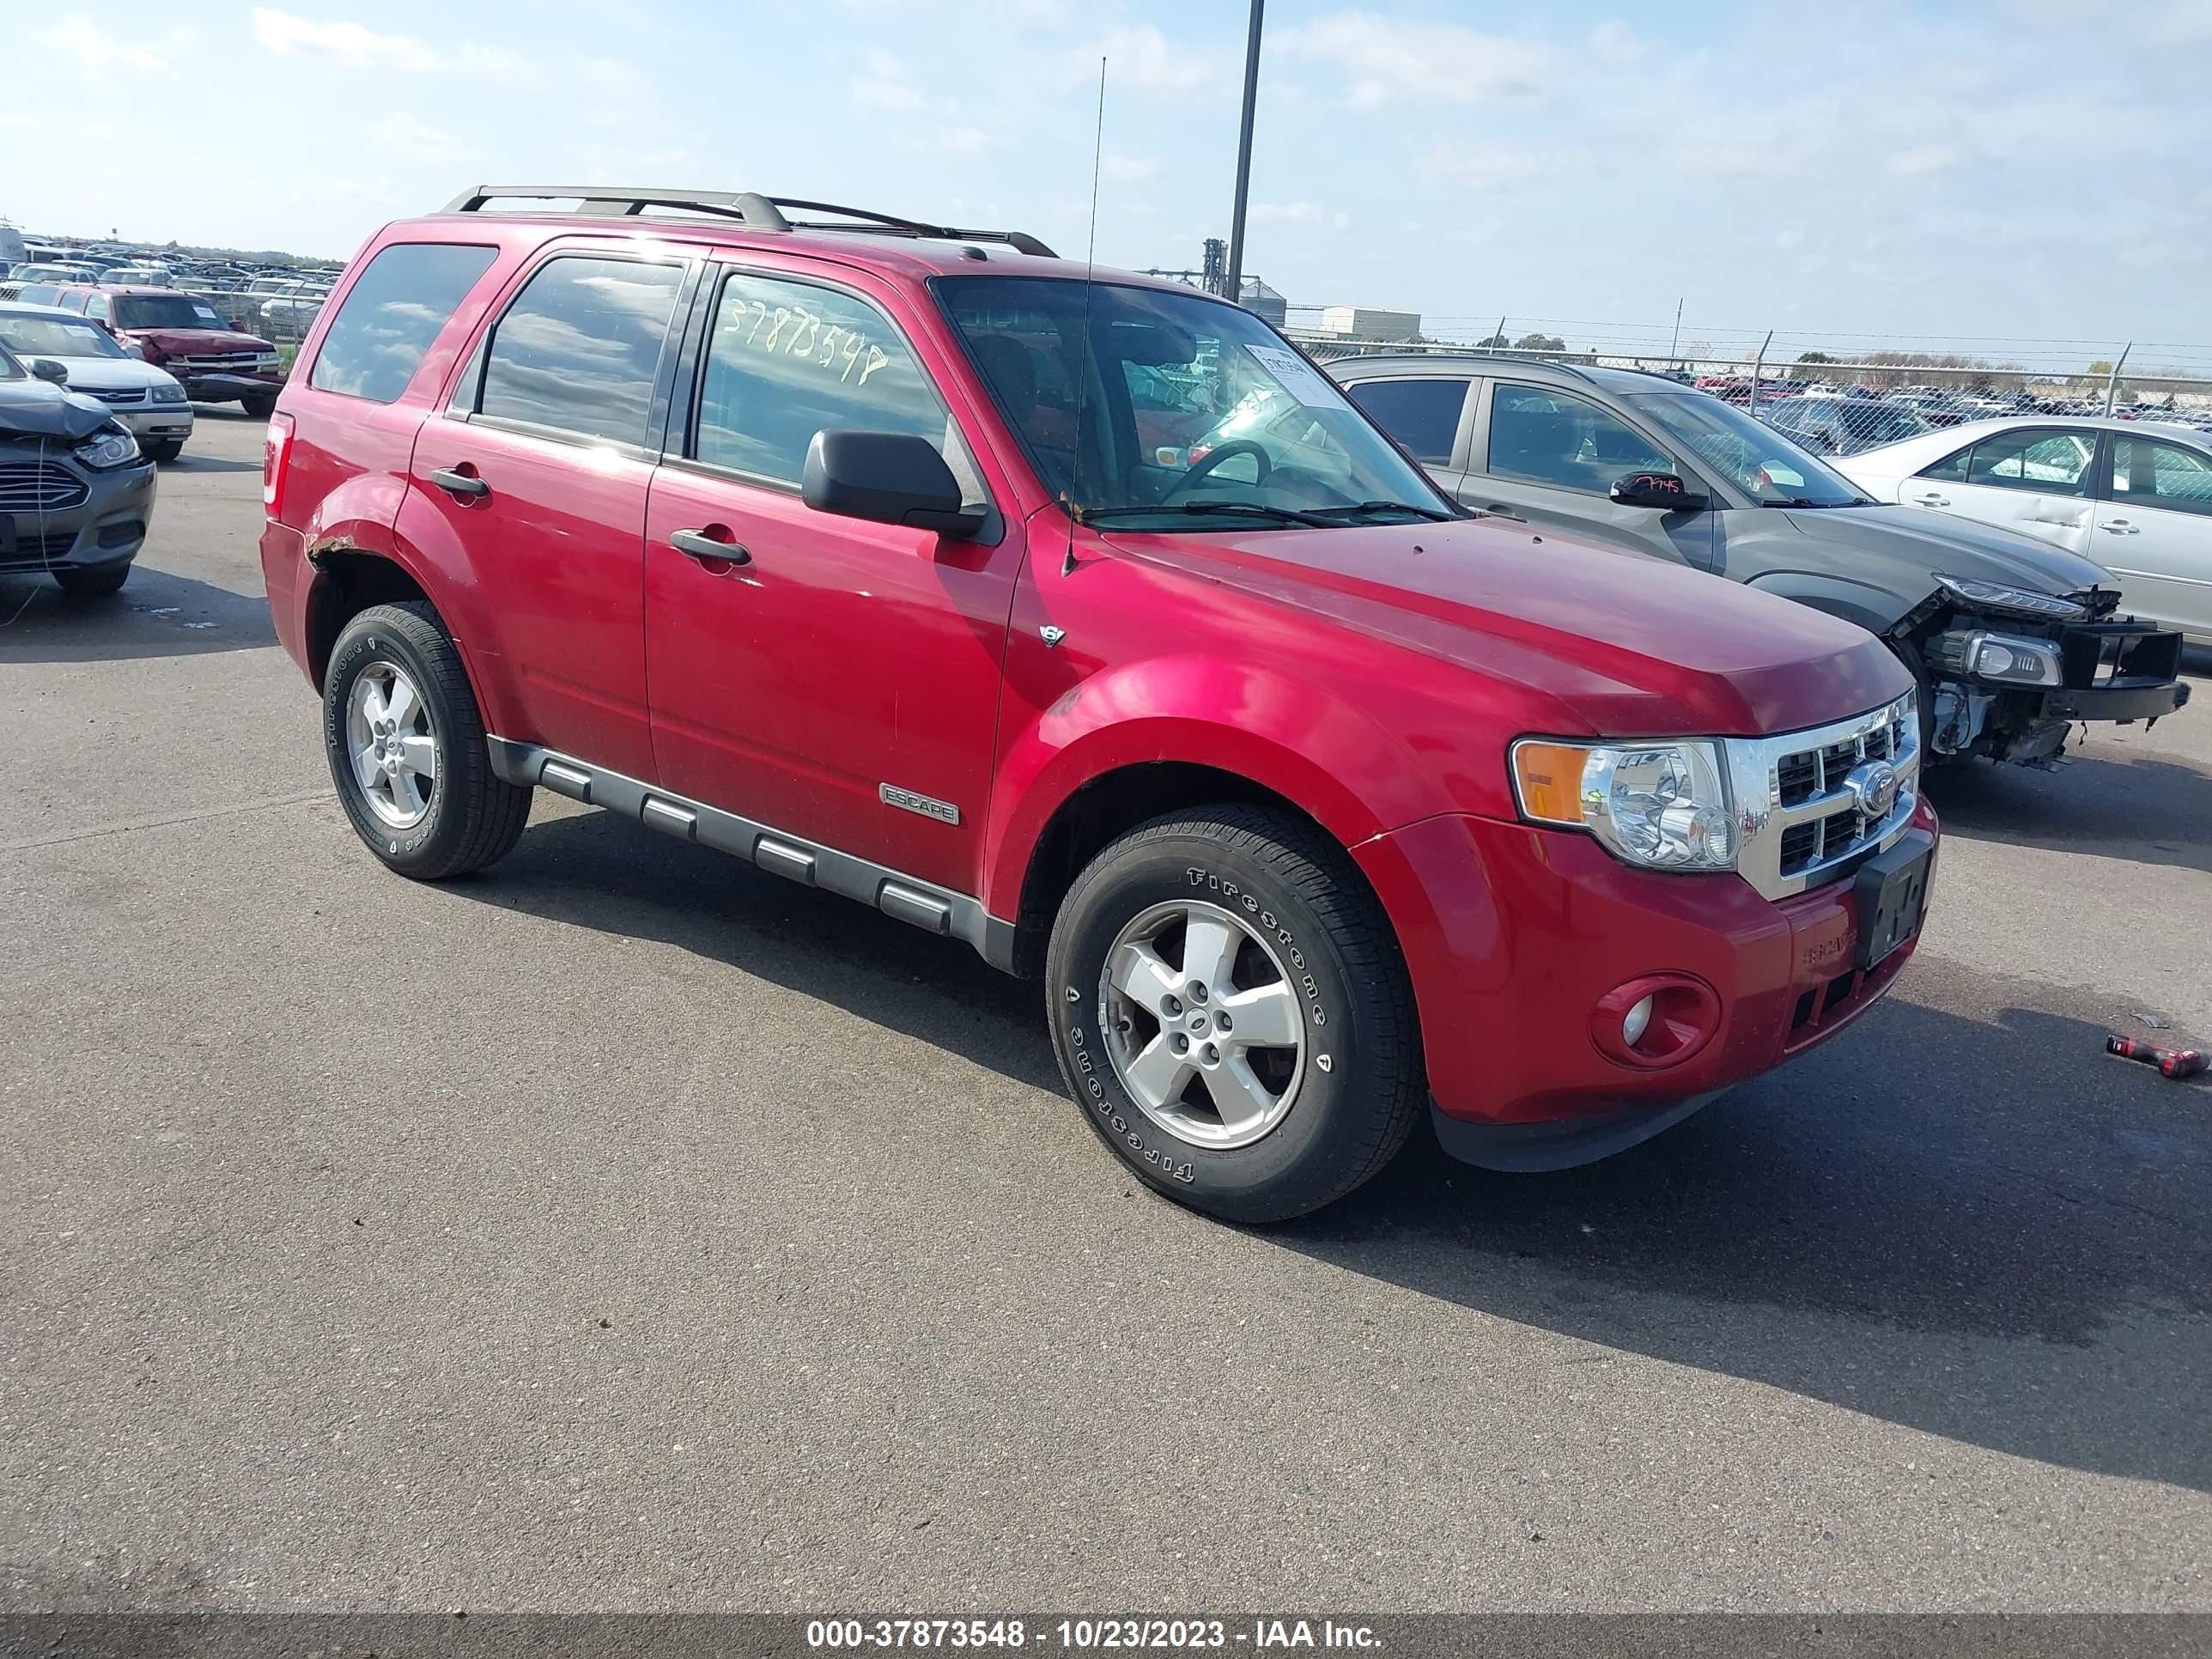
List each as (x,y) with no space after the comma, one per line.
(1621,643)
(196,342)
(35,408)
(111,373)
(1902,548)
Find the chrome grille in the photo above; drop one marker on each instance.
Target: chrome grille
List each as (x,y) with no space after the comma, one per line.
(1800,815)
(222,360)
(39,487)
(118,395)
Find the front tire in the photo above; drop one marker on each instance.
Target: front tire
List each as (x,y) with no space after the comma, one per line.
(1312,1081)
(260,406)
(163,449)
(406,747)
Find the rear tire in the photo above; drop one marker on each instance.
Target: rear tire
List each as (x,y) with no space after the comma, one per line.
(406,747)
(1318,1080)
(97,583)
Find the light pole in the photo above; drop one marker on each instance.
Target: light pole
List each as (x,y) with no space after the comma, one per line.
(1234,277)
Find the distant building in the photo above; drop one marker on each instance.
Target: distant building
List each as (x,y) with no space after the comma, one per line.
(1368,323)
(1264,303)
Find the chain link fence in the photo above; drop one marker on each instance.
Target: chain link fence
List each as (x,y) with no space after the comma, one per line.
(1840,402)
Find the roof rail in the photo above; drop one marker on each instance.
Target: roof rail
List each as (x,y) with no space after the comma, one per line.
(748,208)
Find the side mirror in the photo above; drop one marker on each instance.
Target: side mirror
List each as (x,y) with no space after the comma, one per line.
(888,477)
(1661,489)
(132,349)
(47,369)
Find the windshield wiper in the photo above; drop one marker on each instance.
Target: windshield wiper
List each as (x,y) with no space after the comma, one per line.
(1807,501)
(1239,509)
(1435,516)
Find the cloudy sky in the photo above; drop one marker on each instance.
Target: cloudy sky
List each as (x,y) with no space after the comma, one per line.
(2029,169)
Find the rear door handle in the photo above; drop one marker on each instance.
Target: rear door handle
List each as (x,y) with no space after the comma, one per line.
(465,485)
(709,548)
(2121,527)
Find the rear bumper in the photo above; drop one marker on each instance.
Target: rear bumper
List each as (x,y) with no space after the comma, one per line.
(1512,935)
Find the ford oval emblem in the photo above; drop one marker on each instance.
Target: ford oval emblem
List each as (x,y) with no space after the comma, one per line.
(1872,787)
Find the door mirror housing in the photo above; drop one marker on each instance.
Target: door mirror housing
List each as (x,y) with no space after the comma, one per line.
(47,369)
(1661,489)
(888,477)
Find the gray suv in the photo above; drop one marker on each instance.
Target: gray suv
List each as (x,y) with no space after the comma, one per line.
(2011,639)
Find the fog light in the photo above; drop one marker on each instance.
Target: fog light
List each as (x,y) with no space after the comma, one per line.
(1655,1020)
(1638,1022)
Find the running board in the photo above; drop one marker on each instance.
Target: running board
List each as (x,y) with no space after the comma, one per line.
(907,898)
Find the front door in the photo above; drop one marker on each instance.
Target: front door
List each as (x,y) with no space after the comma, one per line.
(827,677)
(2034,480)
(1549,458)
(540,468)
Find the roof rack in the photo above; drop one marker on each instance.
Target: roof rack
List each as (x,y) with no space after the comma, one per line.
(748,208)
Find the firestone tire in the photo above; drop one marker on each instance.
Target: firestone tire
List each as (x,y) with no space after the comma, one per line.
(457,815)
(1310,954)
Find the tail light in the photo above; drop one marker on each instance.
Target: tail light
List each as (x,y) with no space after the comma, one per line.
(276,453)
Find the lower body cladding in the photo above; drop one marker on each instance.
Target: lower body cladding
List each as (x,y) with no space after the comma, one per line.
(1530,949)
(936,909)
(106,527)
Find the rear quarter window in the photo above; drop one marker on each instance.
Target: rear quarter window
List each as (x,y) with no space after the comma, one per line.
(392,314)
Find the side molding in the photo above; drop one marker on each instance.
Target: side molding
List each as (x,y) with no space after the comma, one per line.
(907,898)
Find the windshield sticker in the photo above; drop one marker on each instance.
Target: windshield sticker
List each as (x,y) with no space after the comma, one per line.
(1298,376)
(1775,473)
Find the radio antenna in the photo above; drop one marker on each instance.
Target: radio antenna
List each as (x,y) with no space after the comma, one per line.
(1082,383)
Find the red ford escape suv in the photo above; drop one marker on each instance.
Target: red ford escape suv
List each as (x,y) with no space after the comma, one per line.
(837,543)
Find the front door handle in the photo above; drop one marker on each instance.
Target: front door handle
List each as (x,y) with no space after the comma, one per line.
(1931,500)
(2121,527)
(713,546)
(464,486)
(1499,510)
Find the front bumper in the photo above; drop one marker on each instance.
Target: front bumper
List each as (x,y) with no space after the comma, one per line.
(1512,934)
(220,386)
(158,423)
(108,527)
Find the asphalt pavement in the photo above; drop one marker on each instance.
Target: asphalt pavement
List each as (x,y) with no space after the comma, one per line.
(627,1228)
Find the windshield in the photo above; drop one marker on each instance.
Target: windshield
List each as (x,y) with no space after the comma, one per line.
(56,337)
(1184,409)
(1758,460)
(165,311)
(10,368)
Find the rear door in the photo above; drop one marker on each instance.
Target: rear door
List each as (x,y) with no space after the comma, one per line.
(2035,480)
(1428,415)
(1549,457)
(2154,531)
(540,467)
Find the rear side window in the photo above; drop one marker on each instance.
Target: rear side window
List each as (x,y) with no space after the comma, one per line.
(392,313)
(788,360)
(2050,462)
(1423,415)
(579,348)
(1554,438)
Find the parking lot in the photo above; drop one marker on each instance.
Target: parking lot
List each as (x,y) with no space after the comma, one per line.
(627,1228)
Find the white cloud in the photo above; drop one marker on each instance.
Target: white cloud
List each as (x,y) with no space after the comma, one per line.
(885,85)
(359,46)
(1491,168)
(400,134)
(1296,213)
(1130,169)
(1616,44)
(1384,60)
(1140,56)
(105,50)
(949,140)
(1926,158)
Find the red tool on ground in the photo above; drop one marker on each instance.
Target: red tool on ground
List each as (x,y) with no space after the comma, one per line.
(2170,1062)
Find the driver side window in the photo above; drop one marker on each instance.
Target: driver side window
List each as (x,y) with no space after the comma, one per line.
(1555,438)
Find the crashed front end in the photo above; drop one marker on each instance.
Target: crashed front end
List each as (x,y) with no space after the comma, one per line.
(2009,670)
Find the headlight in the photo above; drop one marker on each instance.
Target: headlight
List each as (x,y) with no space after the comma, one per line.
(167,391)
(1977,653)
(107,450)
(1661,805)
(266,360)
(1997,597)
